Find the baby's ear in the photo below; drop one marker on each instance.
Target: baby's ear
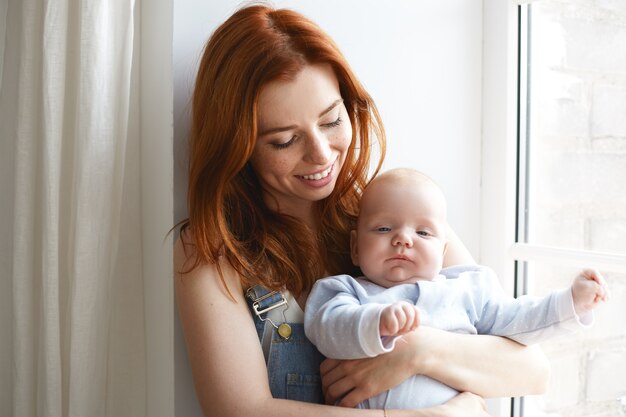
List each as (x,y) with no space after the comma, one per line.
(354,248)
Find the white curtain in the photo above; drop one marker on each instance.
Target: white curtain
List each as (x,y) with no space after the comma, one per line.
(72,339)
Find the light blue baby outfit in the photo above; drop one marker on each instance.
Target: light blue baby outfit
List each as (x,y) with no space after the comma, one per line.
(342,319)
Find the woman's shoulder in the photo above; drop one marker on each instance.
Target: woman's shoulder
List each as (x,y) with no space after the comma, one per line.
(184,251)
(193,272)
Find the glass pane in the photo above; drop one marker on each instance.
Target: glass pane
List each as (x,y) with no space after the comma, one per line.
(588,367)
(576,127)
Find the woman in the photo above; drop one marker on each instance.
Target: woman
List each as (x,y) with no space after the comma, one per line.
(280,147)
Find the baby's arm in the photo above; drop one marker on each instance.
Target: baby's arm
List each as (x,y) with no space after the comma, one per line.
(588,290)
(399,318)
(341,322)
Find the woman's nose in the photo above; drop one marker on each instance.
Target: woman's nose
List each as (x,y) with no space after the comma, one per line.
(318,149)
(402,238)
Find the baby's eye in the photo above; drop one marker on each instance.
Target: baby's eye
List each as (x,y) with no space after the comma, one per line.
(383,229)
(423,233)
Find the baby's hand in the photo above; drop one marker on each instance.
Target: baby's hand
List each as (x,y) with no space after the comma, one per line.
(588,290)
(399,318)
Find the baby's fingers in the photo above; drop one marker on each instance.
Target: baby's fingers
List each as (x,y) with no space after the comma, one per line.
(602,291)
(412,317)
(400,315)
(593,275)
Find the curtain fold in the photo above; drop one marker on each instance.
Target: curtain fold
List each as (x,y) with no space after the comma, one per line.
(72,253)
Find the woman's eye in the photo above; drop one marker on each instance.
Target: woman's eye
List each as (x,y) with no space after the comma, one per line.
(284,145)
(335,123)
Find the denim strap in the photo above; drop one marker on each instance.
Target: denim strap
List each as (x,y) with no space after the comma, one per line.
(292,363)
(260,301)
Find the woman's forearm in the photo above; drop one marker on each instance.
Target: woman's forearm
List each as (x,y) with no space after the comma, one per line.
(489,366)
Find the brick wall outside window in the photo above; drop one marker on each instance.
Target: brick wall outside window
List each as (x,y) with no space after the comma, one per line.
(578,189)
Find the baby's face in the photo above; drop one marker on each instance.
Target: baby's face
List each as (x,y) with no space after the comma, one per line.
(400,234)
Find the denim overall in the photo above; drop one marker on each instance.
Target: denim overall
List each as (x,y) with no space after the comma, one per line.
(292,364)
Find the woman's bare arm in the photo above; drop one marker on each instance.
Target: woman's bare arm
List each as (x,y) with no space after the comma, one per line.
(227,361)
(457,253)
(489,366)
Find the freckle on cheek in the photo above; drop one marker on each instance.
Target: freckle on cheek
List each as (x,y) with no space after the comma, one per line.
(281,166)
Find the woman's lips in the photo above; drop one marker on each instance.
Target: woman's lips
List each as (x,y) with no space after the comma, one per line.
(319,175)
(319,179)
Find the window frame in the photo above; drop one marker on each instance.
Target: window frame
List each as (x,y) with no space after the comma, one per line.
(502,242)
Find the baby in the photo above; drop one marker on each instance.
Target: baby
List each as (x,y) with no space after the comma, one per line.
(399,245)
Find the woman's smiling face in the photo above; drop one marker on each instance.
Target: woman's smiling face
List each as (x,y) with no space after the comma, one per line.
(304,135)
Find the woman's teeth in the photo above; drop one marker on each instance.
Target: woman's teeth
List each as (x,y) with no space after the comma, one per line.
(319,175)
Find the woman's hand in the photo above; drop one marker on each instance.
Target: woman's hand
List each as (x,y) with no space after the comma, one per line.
(356,380)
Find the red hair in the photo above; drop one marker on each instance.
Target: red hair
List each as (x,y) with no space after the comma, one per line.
(227,214)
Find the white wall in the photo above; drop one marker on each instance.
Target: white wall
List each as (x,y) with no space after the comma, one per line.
(420,60)
(157,201)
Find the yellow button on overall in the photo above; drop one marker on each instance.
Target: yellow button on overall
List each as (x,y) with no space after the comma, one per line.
(284,331)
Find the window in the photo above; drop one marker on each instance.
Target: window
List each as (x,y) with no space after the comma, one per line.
(572,189)
(554,181)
